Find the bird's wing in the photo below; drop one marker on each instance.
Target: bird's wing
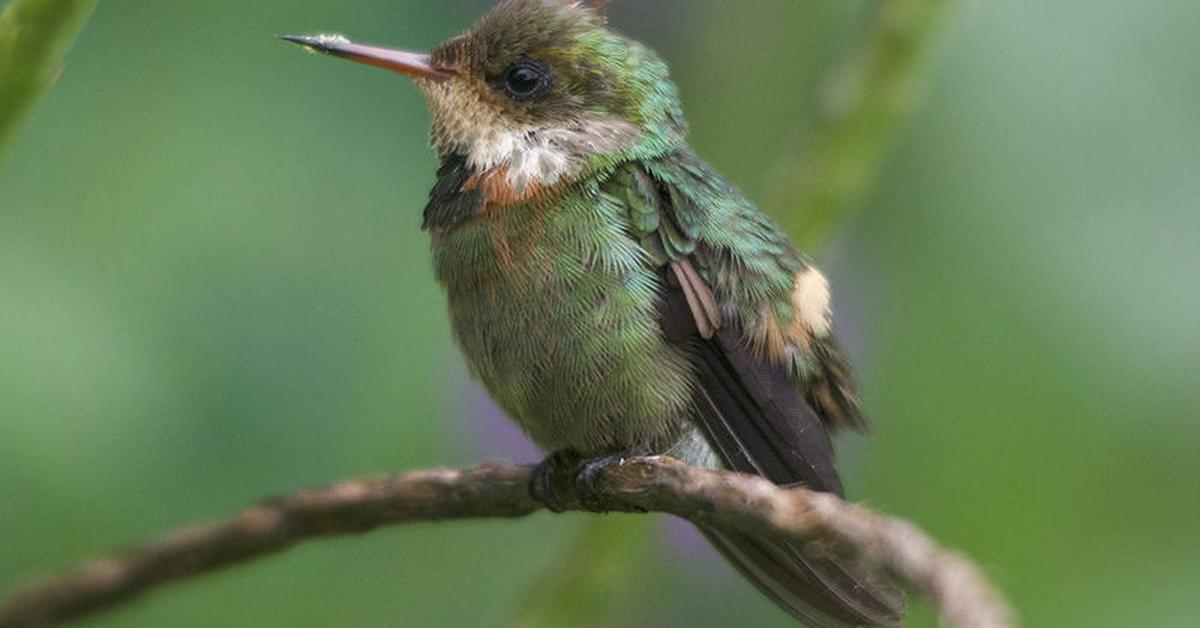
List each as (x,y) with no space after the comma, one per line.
(765,397)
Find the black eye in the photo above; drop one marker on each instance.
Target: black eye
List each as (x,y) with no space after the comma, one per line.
(526,79)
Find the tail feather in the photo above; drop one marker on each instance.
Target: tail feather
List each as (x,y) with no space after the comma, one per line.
(755,420)
(823,593)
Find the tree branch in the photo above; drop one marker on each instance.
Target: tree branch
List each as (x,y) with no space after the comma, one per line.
(747,503)
(34,38)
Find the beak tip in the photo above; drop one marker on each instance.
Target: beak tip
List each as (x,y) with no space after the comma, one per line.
(319,43)
(295,39)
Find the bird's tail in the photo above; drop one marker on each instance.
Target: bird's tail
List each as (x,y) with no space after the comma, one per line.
(822,592)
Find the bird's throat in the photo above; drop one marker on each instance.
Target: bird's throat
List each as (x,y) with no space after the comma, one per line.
(498,189)
(547,155)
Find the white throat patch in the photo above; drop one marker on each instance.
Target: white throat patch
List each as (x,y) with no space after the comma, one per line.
(546,156)
(530,156)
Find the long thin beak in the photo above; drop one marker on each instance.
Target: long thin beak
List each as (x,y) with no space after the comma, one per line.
(412,64)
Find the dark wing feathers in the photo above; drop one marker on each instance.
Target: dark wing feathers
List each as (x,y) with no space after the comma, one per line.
(451,200)
(754,416)
(700,299)
(756,420)
(761,405)
(832,390)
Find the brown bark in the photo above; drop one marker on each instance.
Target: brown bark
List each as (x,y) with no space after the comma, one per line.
(952,583)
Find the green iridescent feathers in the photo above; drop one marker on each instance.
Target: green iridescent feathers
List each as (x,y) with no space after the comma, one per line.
(679,208)
(555,308)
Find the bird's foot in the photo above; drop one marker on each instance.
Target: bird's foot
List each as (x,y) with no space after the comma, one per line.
(587,481)
(552,481)
(547,484)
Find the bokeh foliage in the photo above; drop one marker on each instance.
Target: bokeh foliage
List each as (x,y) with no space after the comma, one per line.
(213,287)
(35,35)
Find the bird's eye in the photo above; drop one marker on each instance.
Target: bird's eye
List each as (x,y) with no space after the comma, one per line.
(526,79)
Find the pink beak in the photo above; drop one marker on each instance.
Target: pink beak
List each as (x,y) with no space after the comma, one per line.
(412,64)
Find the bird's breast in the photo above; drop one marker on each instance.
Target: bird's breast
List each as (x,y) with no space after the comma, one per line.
(556,311)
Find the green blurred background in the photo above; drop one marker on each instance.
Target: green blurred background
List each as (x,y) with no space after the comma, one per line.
(213,287)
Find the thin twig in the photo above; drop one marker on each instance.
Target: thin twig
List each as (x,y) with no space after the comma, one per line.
(746,503)
(864,102)
(34,38)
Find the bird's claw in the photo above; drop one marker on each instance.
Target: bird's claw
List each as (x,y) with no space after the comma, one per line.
(546,486)
(587,481)
(551,481)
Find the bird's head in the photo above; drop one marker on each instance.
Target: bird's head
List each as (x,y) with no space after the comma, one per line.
(537,93)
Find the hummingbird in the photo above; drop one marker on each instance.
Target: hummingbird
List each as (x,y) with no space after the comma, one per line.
(614,294)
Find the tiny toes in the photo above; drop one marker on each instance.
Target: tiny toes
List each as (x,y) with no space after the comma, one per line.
(587,482)
(548,478)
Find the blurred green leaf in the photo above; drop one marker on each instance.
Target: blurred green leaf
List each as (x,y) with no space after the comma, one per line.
(35,36)
(593,578)
(864,102)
